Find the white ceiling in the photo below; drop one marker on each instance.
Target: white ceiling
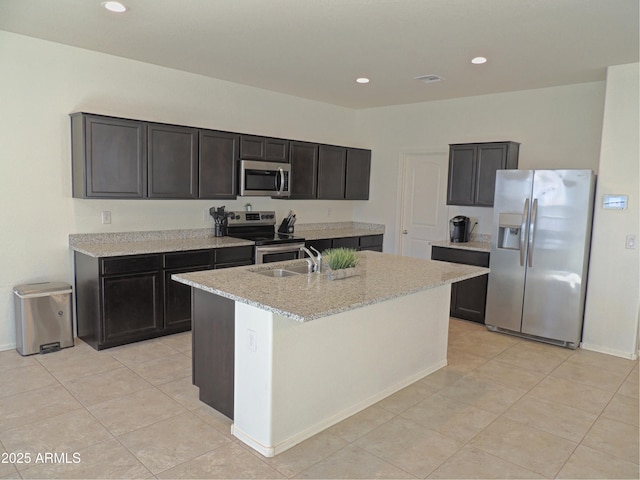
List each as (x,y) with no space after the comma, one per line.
(315,49)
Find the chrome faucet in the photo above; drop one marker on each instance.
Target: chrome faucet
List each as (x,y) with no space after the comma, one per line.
(317,261)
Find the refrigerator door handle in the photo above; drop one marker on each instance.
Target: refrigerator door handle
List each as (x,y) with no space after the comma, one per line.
(523,229)
(532,229)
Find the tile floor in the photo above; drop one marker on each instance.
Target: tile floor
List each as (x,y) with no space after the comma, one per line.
(502,408)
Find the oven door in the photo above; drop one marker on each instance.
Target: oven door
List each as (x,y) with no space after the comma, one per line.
(278,253)
(268,179)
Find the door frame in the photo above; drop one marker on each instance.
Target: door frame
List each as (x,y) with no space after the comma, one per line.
(402,166)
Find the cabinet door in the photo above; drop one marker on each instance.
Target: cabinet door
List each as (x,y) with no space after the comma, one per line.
(346,242)
(371,242)
(332,163)
(177,301)
(132,307)
(304,169)
(469,298)
(109,157)
(276,150)
(252,147)
(462,169)
(358,173)
(490,158)
(172,161)
(217,164)
(320,244)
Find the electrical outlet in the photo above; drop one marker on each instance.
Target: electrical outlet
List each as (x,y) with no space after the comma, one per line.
(205,214)
(106,217)
(251,337)
(630,242)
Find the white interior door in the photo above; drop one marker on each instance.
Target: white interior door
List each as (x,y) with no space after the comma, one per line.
(423,216)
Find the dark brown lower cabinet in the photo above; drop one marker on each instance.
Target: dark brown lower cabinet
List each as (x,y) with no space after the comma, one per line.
(126,299)
(366,242)
(468,297)
(213,342)
(132,307)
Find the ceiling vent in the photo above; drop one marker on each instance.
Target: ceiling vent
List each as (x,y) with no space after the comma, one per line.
(429,78)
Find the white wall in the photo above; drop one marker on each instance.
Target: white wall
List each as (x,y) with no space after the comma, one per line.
(612,310)
(557,127)
(42,82)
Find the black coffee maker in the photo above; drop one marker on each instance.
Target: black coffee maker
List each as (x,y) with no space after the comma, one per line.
(459,229)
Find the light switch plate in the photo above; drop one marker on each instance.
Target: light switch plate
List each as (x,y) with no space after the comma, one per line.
(630,242)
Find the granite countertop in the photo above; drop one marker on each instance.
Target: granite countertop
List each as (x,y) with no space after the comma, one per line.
(141,247)
(117,244)
(481,246)
(303,297)
(315,231)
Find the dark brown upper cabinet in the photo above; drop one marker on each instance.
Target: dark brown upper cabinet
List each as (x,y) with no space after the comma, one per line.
(358,174)
(472,171)
(263,148)
(109,157)
(332,166)
(218,164)
(172,161)
(303,158)
(125,158)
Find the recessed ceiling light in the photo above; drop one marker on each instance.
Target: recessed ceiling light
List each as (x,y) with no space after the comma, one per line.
(362,80)
(478,60)
(116,7)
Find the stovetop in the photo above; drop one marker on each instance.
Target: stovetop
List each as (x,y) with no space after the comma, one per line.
(268,239)
(259,227)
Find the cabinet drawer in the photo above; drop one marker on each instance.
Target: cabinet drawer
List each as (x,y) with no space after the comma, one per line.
(131,264)
(371,240)
(234,254)
(196,258)
(346,242)
(454,255)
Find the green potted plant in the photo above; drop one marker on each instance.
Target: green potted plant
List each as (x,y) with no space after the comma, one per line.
(340,262)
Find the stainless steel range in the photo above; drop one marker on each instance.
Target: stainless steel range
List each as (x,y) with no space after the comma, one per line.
(260,227)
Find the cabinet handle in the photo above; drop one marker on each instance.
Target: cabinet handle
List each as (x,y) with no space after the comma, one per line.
(404,232)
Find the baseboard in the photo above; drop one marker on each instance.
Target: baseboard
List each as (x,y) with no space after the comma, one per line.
(7,346)
(609,351)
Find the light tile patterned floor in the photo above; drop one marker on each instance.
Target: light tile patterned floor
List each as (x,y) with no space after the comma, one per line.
(502,408)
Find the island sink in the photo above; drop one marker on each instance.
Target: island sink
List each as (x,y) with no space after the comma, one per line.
(285,272)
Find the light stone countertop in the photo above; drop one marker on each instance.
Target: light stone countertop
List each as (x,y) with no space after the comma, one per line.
(117,244)
(315,231)
(481,246)
(141,247)
(336,233)
(303,297)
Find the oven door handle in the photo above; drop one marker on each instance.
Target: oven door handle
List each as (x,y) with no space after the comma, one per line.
(288,247)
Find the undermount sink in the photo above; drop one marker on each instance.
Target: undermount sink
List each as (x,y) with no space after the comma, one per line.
(285,272)
(277,272)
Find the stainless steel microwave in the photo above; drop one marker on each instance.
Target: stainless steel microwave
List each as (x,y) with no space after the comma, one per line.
(264,179)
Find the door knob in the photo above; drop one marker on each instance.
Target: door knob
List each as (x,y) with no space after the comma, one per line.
(404,232)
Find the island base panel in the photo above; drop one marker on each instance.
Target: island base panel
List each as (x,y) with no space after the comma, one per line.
(295,379)
(213,340)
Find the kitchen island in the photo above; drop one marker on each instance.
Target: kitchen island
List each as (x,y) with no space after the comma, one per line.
(287,357)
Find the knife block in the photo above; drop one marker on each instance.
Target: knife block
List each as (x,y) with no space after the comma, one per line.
(285,228)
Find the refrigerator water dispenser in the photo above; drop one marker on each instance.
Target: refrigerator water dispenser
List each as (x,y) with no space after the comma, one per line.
(509,226)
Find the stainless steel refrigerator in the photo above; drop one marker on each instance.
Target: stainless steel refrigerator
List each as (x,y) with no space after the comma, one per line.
(540,254)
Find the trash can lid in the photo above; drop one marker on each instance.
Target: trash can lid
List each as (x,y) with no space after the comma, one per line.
(41,289)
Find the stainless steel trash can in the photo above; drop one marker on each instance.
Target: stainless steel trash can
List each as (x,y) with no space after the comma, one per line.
(44,320)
